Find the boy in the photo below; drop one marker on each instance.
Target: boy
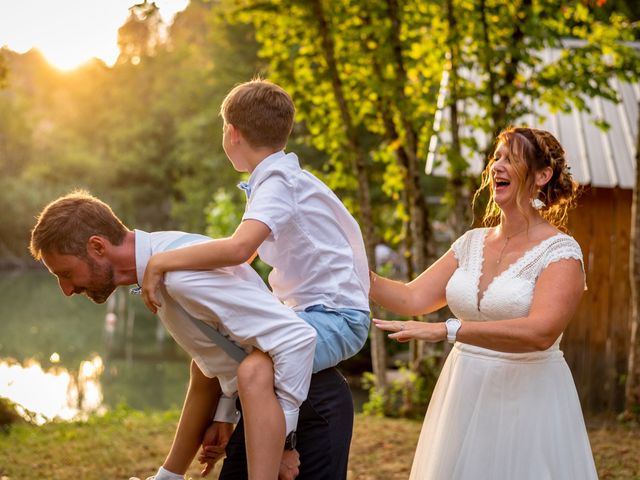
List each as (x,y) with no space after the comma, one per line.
(296,224)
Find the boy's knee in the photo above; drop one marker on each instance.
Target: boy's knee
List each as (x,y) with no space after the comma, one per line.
(255,371)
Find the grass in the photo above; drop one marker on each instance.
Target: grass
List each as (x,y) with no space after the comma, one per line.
(126,443)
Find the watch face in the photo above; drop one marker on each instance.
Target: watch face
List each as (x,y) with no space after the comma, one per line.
(453,324)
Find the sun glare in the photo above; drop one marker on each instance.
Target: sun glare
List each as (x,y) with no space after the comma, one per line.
(69,57)
(72,32)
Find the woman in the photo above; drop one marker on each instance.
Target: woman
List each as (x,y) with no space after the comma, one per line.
(505,405)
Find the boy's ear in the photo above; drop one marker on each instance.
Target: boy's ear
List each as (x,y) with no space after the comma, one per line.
(234,134)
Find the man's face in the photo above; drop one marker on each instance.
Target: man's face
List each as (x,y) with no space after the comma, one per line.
(81,275)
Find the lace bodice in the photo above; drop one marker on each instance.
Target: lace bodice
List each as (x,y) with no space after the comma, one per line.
(510,293)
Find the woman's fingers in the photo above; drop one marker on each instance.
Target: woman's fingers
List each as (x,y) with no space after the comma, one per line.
(401,330)
(390,325)
(403,336)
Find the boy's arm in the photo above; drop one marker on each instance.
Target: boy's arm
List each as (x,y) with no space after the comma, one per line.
(201,399)
(223,252)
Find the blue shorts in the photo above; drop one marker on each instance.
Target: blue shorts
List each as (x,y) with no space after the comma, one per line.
(342,332)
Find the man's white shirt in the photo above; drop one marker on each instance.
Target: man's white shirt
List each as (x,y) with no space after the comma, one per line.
(238,304)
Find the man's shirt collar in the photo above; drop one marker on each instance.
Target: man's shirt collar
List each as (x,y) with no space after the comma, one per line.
(143,252)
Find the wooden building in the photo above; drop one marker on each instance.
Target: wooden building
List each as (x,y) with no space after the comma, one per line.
(596,342)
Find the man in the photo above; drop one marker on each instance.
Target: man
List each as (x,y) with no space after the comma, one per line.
(90,251)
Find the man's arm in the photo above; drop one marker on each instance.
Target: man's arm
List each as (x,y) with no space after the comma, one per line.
(201,399)
(214,443)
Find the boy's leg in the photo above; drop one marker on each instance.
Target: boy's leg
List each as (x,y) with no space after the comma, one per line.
(264,423)
(200,401)
(341,333)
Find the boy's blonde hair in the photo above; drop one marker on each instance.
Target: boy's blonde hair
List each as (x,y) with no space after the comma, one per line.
(262,111)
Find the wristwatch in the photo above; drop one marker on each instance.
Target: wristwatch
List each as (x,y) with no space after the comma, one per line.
(290,441)
(453,325)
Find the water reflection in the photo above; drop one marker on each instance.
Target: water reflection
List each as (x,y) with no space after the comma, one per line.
(55,393)
(63,357)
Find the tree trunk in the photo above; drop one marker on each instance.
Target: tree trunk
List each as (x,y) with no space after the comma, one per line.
(518,48)
(459,221)
(419,231)
(632,386)
(417,228)
(359,166)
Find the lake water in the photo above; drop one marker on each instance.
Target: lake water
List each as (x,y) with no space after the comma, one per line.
(66,356)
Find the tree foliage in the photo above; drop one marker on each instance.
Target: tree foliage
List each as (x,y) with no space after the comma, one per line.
(145,134)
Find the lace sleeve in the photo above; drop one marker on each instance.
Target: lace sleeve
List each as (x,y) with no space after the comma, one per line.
(464,249)
(565,247)
(461,245)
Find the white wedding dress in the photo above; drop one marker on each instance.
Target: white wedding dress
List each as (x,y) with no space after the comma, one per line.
(503,416)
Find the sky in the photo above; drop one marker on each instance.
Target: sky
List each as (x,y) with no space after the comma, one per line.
(70,32)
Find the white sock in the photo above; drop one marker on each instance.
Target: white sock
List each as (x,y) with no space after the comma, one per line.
(164,474)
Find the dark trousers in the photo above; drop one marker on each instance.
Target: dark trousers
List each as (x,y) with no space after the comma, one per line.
(324,433)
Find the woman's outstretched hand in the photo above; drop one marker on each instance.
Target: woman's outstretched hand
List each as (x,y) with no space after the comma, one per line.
(403,331)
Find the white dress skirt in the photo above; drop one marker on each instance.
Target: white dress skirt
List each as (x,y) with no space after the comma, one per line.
(503,416)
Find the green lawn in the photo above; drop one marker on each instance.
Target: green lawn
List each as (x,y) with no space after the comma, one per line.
(126,443)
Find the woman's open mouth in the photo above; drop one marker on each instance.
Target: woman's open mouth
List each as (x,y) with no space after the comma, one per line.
(501,183)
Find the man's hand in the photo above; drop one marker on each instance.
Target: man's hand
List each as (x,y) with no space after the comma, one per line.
(289,465)
(150,285)
(214,442)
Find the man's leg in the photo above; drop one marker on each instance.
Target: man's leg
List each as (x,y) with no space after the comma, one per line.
(234,466)
(325,428)
(324,433)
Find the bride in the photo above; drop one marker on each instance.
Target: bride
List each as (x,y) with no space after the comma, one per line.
(505,405)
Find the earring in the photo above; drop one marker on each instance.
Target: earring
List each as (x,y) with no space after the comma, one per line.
(537,203)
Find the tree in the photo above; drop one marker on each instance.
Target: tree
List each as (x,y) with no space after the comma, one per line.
(503,75)
(214,54)
(143,135)
(140,37)
(3,71)
(632,385)
(356,76)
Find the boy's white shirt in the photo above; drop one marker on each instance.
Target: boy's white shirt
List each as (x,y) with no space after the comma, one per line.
(315,245)
(239,305)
